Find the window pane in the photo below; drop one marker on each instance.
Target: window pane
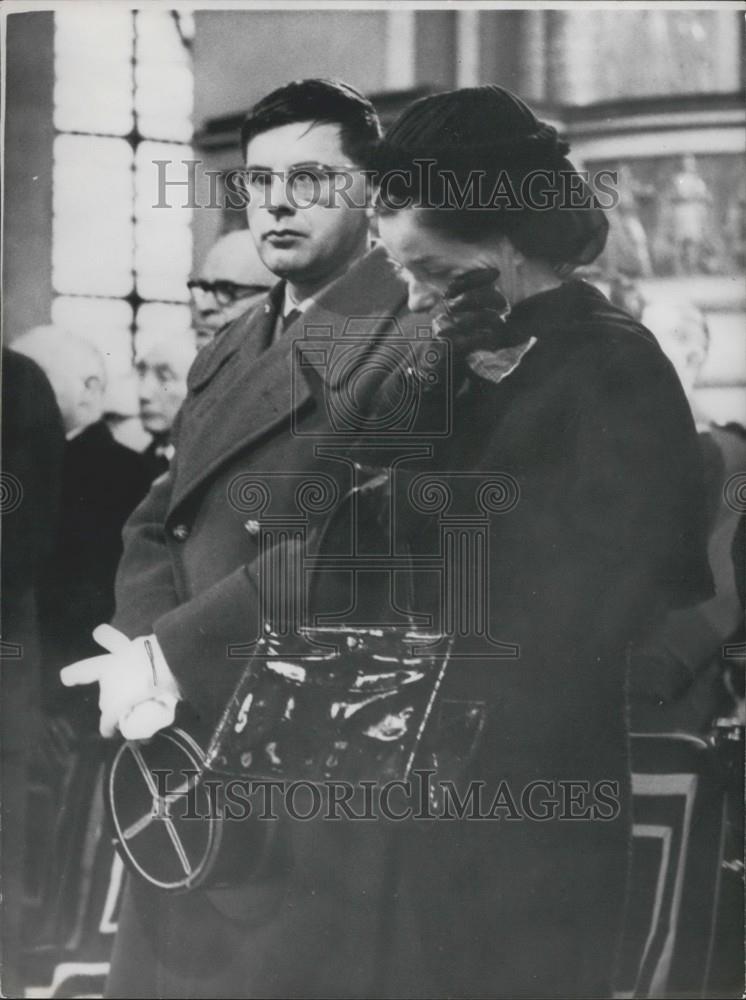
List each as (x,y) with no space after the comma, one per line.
(160,320)
(92,216)
(93,69)
(675,52)
(163,237)
(163,77)
(185,20)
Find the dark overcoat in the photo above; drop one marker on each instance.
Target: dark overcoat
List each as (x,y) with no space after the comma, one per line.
(33,442)
(102,483)
(251,447)
(592,433)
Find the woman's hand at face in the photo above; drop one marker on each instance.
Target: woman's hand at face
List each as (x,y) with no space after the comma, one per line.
(473,312)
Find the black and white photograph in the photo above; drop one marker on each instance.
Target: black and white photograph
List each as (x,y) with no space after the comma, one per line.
(373,500)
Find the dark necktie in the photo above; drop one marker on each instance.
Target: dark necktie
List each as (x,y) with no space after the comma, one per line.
(289,318)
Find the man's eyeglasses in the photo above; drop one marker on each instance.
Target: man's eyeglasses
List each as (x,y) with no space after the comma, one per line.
(225,292)
(306,182)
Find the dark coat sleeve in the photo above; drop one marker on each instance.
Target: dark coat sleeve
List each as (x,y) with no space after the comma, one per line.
(145,584)
(607,535)
(630,505)
(146,587)
(194,632)
(210,634)
(638,500)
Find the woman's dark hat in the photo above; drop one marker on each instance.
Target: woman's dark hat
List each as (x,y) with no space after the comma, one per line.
(490,131)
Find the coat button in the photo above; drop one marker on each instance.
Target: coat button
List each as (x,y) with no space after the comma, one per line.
(180,532)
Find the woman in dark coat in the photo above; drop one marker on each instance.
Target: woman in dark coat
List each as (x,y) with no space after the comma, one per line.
(574,406)
(594,531)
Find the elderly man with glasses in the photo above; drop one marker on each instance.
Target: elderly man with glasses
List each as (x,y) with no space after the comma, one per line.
(232,278)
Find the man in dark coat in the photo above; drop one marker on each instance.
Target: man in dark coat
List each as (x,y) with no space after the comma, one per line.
(102,483)
(260,400)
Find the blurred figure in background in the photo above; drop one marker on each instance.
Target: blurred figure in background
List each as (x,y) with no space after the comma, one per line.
(680,680)
(625,293)
(102,482)
(123,411)
(162,370)
(232,278)
(33,441)
(691,207)
(628,249)
(70,863)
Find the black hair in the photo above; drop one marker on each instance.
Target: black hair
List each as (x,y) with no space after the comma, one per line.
(319,101)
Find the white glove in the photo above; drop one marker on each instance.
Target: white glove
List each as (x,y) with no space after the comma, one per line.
(137,691)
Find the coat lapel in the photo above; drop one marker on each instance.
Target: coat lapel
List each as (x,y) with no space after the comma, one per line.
(240,394)
(353,316)
(243,391)
(249,334)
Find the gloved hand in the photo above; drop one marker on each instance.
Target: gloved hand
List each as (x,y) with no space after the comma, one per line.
(137,691)
(471,320)
(473,313)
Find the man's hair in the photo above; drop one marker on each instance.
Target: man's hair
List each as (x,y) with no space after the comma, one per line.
(330,102)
